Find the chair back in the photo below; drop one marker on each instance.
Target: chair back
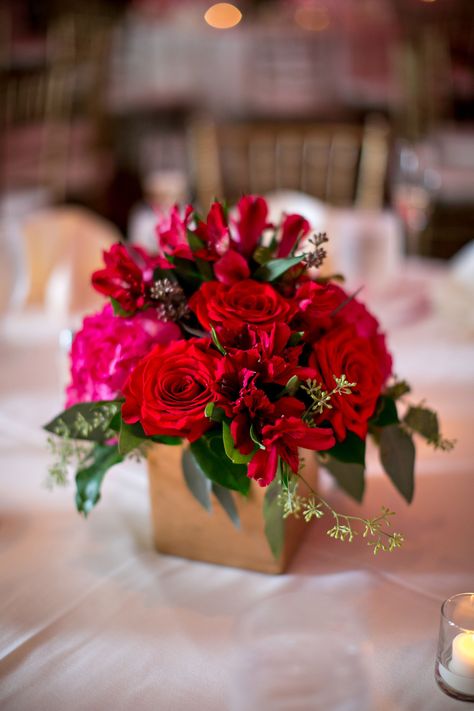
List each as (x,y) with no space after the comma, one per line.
(340,164)
(63,246)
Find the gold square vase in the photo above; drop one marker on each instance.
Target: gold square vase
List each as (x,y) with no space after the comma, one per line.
(182,527)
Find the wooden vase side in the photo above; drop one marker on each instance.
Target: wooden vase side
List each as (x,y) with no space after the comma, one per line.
(182,527)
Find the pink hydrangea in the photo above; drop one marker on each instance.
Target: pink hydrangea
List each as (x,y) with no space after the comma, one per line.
(106,350)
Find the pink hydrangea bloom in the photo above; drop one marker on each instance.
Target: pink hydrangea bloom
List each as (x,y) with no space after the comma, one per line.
(107,348)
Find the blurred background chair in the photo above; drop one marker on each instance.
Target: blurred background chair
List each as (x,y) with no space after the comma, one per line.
(63,246)
(36,110)
(365,104)
(340,164)
(51,111)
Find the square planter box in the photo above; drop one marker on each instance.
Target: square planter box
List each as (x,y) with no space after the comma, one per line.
(182,527)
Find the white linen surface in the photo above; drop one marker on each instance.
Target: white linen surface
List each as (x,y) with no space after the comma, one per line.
(93,618)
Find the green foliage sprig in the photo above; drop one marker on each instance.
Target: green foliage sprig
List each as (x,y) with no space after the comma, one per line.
(345,526)
(65,454)
(321,399)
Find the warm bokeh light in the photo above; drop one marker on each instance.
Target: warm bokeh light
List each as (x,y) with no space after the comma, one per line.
(223,16)
(312,17)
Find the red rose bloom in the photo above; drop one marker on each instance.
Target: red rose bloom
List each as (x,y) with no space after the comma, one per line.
(327,307)
(317,303)
(247,301)
(169,389)
(342,351)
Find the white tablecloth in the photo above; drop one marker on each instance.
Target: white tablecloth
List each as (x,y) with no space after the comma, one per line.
(92,618)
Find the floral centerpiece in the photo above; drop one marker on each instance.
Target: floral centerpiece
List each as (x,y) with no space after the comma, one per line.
(229,340)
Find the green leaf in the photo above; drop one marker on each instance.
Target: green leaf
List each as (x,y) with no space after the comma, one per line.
(118,310)
(331,277)
(262,255)
(160,273)
(216,342)
(167,439)
(209,409)
(351,450)
(398,389)
(198,484)
(424,421)
(385,412)
(397,454)
(229,447)
(195,243)
(283,473)
(186,270)
(209,455)
(292,385)
(274,523)
(349,476)
(216,414)
(205,269)
(89,479)
(275,268)
(296,338)
(226,500)
(86,420)
(116,422)
(131,437)
(255,439)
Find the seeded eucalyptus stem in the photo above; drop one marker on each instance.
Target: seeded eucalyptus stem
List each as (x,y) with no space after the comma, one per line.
(315,506)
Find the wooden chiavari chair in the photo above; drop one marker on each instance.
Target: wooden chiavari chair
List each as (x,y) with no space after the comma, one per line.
(339,164)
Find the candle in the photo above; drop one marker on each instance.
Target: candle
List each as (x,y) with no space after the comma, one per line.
(454,668)
(459,674)
(462,660)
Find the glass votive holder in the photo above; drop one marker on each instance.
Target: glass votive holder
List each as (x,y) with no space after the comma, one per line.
(454,670)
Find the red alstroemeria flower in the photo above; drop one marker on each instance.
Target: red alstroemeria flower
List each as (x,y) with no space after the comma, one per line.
(271,356)
(253,212)
(127,276)
(294,227)
(237,391)
(283,439)
(171,233)
(214,233)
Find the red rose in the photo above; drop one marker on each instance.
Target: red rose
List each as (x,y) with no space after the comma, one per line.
(327,307)
(247,301)
(127,276)
(169,389)
(367,326)
(339,352)
(318,303)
